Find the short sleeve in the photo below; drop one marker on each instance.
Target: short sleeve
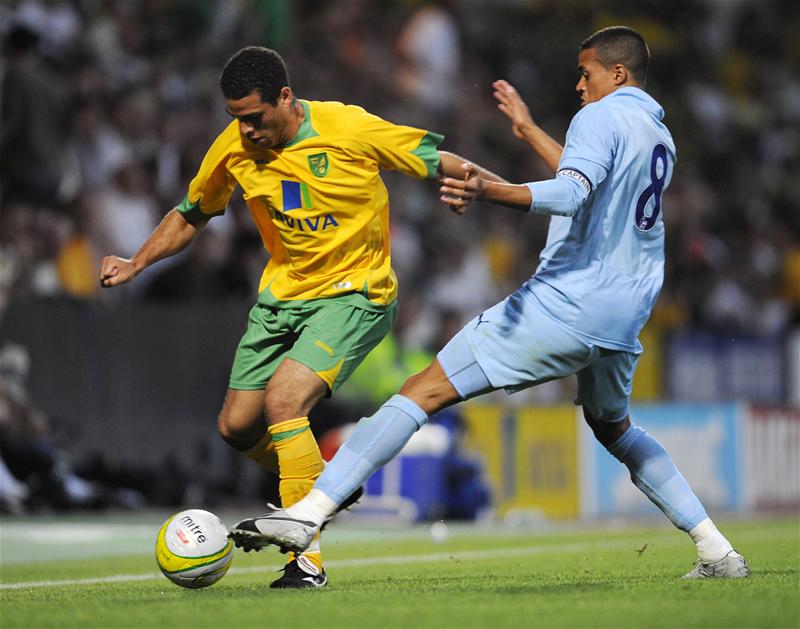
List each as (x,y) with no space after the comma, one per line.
(211,189)
(409,150)
(591,145)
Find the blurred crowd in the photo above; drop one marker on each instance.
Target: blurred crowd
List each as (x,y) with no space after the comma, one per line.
(109,106)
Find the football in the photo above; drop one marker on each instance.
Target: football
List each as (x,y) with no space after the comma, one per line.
(193,549)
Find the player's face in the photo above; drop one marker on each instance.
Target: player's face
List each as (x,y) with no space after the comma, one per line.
(595,79)
(263,124)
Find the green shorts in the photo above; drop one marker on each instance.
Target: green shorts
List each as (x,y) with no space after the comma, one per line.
(329,336)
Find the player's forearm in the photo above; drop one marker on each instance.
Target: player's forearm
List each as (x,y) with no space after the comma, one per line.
(514,196)
(451,165)
(172,235)
(543,145)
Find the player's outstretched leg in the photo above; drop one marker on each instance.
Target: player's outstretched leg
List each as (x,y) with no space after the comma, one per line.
(654,473)
(375,441)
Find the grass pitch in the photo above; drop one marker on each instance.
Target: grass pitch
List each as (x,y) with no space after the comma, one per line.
(102,573)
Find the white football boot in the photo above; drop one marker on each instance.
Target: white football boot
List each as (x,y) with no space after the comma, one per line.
(275,527)
(731,566)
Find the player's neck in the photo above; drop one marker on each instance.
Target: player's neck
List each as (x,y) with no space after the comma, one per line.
(628,84)
(295,119)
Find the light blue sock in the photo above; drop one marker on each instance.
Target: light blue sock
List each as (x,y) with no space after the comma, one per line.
(653,471)
(375,441)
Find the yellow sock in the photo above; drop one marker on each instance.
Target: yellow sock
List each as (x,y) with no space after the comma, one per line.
(300,464)
(264,454)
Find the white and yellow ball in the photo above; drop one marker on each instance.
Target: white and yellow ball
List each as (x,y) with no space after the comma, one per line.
(193,549)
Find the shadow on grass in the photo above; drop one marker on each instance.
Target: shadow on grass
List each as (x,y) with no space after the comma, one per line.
(487,584)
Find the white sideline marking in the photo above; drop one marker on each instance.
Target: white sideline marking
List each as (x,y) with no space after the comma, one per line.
(464,555)
(73,533)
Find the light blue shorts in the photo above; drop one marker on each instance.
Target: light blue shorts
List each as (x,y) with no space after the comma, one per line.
(514,345)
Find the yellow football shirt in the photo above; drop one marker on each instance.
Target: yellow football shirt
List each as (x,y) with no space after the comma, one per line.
(319,201)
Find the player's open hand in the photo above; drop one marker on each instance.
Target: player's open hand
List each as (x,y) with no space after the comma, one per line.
(115,270)
(511,104)
(459,193)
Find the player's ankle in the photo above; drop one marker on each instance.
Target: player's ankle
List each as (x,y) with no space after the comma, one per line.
(316,507)
(711,544)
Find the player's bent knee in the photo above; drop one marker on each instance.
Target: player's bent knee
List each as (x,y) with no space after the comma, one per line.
(606,432)
(227,431)
(239,433)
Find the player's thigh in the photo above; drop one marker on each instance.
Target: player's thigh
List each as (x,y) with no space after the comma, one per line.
(516,346)
(336,336)
(292,392)
(459,365)
(269,336)
(604,386)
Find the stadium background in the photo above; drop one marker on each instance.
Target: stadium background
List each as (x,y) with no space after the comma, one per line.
(109,398)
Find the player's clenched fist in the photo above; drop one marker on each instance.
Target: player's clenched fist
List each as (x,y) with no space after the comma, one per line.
(115,270)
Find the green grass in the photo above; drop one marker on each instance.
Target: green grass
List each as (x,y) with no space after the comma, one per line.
(401,578)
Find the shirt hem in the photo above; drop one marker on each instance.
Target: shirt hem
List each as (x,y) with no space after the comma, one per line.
(355,299)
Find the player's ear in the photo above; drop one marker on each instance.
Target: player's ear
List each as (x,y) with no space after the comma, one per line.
(620,74)
(286,95)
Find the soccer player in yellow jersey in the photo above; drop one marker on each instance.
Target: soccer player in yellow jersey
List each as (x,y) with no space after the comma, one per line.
(310,174)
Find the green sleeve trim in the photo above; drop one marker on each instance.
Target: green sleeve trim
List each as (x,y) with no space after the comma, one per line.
(192,212)
(428,152)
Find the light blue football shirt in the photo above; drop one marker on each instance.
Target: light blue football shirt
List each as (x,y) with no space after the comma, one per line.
(603,266)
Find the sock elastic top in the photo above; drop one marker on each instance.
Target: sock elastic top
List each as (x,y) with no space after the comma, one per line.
(289,428)
(409,407)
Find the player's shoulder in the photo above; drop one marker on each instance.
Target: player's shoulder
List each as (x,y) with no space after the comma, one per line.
(599,116)
(601,110)
(332,113)
(616,107)
(230,134)
(332,106)
(228,141)
(632,99)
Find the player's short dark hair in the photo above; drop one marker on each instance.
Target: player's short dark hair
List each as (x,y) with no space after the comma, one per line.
(254,68)
(621,44)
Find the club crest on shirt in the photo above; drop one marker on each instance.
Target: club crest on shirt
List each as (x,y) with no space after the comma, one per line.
(318,164)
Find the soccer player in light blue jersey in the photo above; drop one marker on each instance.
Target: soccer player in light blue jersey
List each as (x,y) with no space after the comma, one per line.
(580,313)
